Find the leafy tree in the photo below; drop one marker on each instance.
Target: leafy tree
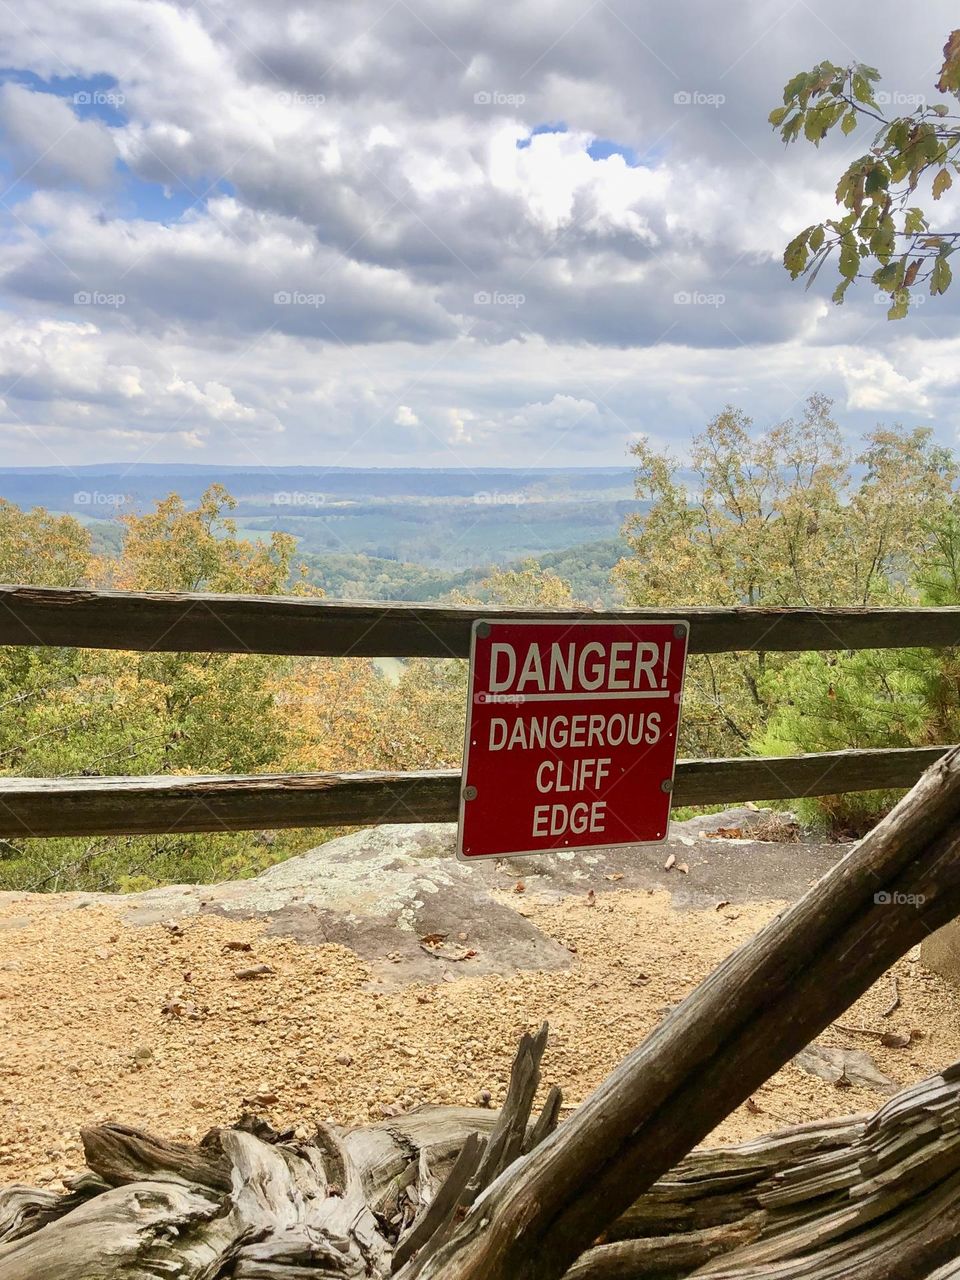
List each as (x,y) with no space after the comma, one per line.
(885,231)
(75,711)
(42,549)
(788,518)
(527,587)
(876,698)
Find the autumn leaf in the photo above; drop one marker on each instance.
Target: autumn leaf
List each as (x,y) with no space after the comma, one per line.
(949,80)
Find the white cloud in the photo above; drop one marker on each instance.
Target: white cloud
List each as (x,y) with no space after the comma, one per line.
(337,155)
(45,143)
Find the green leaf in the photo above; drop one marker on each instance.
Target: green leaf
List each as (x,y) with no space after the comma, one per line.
(795,254)
(793,87)
(884,240)
(813,126)
(849,261)
(849,122)
(901,305)
(816,239)
(839,291)
(941,183)
(778,115)
(792,127)
(914,222)
(861,88)
(942,276)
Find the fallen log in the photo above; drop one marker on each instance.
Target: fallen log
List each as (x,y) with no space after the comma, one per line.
(867,1195)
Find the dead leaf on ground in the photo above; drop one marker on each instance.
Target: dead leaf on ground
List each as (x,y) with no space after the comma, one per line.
(843,1067)
(519,887)
(683,868)
(234,944)
(614,875)
(724,833)
(177,1008)
(431,939)
(670,862)
(448,951)
(255,971)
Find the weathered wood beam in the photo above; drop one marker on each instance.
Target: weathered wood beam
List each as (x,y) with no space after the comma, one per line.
(160,804)
(833,1200)
(296,625)
(750,1016)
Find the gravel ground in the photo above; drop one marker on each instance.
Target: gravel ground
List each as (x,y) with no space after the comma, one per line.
(152,1026)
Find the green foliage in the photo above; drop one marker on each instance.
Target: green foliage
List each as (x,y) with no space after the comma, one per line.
(68,712)
(789,518)
(877,698)
(585,566)
(883,232)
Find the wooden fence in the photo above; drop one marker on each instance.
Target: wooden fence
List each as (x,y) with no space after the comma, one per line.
(307,627)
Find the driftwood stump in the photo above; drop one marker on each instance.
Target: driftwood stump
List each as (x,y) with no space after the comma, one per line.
(868,1195)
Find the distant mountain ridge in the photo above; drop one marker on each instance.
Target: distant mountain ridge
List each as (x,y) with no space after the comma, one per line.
(448,520)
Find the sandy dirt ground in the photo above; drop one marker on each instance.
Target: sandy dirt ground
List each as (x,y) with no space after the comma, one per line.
(104,1020)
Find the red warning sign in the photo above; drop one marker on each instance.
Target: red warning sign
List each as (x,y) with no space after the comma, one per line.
(571,735)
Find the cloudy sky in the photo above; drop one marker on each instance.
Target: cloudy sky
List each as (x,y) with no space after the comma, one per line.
(432,232)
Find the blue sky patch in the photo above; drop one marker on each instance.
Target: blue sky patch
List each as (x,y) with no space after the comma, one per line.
(91,97)
(559,127)
(603,149)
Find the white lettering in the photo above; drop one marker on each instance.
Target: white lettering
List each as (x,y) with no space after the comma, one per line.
(496,685)
(597,671)
(561,675)
(532,670)
(618,664)
(647,654)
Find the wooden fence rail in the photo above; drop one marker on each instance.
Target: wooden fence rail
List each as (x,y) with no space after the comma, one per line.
(158,805)
(301,626)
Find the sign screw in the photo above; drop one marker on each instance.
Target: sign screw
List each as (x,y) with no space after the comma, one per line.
(469,793)
(483,630)
(666,784)
(679,631)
